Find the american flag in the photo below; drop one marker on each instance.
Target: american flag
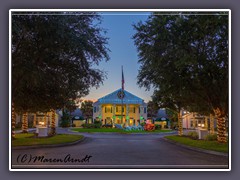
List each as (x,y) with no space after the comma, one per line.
(122,79)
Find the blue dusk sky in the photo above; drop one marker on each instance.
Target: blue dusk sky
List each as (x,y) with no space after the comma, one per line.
(123,53)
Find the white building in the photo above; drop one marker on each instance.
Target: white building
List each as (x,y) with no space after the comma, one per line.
(108,109)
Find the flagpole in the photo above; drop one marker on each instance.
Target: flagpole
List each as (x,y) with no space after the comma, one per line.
(122,97)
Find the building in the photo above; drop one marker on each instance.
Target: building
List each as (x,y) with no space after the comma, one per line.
(39,118)
(77,117)
(120,107)
(162,119)
(192,120)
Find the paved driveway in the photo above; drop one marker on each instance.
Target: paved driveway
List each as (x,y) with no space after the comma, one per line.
(117,150)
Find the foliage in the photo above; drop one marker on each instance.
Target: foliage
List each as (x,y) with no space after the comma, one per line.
(65,120)
(96,124)
(87,109)
(53,58)
(158,126)
(193,135)
(172,114)
(211,137)
(107,126)
(184,57)
(152,109)
(143,124)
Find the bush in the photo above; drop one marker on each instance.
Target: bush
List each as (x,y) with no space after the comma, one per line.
(91,126)
(107,126)
(193,135)
(143,124)
(97,124)
(211,137)
(158,126)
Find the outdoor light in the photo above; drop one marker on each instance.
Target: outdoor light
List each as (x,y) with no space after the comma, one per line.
(41,123)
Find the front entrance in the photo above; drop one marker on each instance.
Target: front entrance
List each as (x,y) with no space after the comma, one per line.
(131,122)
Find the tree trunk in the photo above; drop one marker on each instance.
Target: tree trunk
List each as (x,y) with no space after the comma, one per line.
(53,126)
(13,121)
(221,126)
(180,128)
(211,124)
(24,123)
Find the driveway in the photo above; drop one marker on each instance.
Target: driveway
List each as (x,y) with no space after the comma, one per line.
(117,151)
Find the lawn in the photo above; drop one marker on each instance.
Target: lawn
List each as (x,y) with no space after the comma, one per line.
(116,130)
(28,139)
(208,145)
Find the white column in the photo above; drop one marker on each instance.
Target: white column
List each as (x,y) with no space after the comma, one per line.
(114,117)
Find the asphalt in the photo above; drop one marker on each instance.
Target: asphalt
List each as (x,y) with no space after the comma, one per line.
(117,151)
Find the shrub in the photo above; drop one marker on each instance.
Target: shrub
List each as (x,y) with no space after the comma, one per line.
(90,126)
(193,135)
(107,126)
(158,126)
(211,137)
(143,124)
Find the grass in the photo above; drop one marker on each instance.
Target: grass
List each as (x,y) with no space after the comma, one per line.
(28,139)
(203,144)
(116,130)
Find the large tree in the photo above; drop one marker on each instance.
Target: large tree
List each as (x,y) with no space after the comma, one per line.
(53,54)
(185,58)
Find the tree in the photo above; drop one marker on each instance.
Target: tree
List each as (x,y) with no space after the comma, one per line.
(53,58)
(152,109)
(87,109)
(185,58)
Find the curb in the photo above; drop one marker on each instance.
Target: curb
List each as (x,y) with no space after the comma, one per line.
(160,133)
(49,145)
(196,149)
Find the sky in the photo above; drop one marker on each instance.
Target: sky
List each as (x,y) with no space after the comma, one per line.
(123,53)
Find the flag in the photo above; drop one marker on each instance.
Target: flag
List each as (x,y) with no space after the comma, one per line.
(122,79)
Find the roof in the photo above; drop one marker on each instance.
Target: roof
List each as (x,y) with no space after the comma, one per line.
(77,112)
(162,115)
(113,98)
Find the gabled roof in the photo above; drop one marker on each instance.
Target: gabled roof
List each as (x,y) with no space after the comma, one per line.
(113,98)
